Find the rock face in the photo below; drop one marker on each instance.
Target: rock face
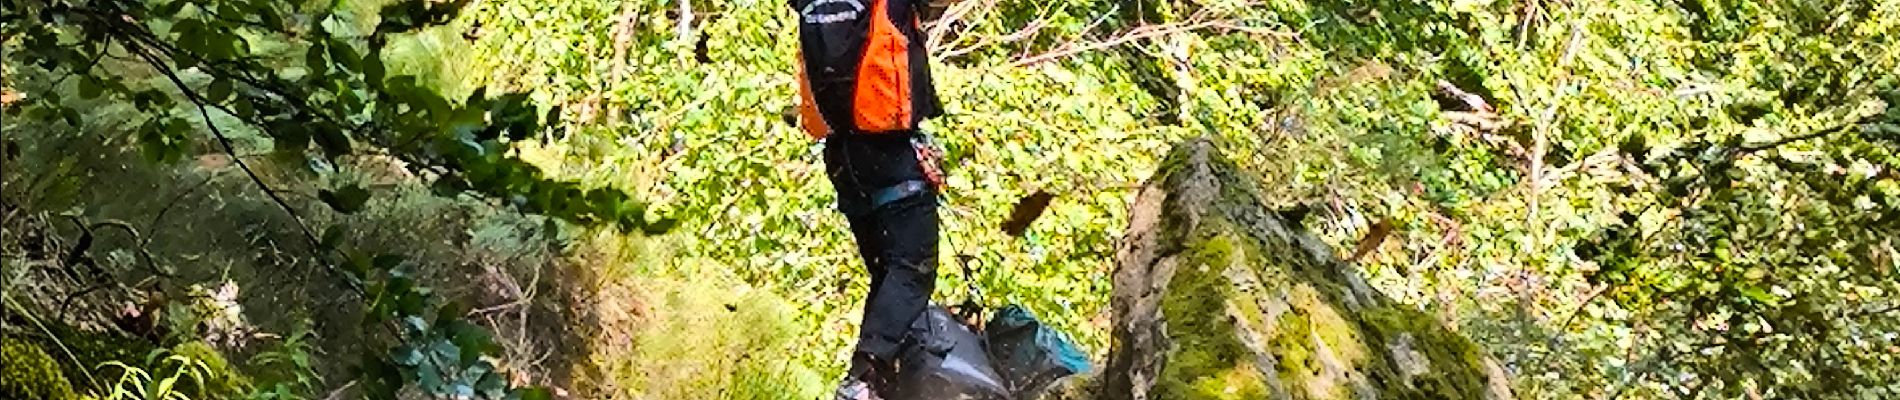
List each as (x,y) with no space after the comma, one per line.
(1217,297)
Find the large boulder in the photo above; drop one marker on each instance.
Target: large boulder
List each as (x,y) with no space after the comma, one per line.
(1218,297)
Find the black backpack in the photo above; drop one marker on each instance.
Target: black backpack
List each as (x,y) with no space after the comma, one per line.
(862,67)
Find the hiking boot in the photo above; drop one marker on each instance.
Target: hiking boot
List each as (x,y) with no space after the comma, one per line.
(854,388)
(864,378)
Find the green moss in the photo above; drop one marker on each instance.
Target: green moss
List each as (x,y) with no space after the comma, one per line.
(1208,361)
(1241,272)
(28,373)
(1290,347)
(1457,364)
(87,351)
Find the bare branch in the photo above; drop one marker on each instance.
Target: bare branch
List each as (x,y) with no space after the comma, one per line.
(1749,148)
(684,30)
(1142,33)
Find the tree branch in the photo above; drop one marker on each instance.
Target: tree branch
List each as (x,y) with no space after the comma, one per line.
(151,41)
(103,50)
(1140,33)
(230,149)
(1750,148)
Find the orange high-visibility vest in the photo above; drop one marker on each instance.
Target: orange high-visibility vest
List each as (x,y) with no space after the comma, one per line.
(862,67)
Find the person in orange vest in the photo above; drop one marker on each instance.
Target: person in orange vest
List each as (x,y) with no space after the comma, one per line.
(864,88)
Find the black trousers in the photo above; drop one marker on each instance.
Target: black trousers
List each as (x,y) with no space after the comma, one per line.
(898,240)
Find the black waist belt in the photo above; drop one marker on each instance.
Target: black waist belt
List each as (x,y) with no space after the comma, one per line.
(897,192)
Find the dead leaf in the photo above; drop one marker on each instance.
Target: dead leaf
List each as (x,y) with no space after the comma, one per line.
(1371,241)
(8,97)
(1027,210)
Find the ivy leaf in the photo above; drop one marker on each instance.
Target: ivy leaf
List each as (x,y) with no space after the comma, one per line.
(313,59)
(71,116)
(429,377)
(462,391)
(343,54)
(373,70)
(444,349)
(415,325)
(244,110)
(357,266)
(660,226)
(386,262)
(1760,296)
(218,90)
(331,238)
(452,310)
(347,200)
(491,386)
(406,355)
(413,302)
(89,88)
(472,340)
(333,141)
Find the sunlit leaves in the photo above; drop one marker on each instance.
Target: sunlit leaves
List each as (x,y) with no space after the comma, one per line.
(305,88)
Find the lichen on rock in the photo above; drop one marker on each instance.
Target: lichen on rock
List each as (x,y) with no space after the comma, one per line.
(1218,297)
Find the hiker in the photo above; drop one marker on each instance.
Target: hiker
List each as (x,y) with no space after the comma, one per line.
(864,87)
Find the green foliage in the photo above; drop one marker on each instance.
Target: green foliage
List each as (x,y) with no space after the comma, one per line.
(29,373)
(287,371)
(215,379)
(313,85)
(702,339)
(166,376)
(1619,162)
(1678,198)
(442,354)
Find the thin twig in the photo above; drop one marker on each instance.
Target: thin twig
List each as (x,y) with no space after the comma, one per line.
(139,243)
(1599,291)
(940,28)
(338,393)
(153,42)
(1888,309)
(103,50)
(175,198)
(224,141)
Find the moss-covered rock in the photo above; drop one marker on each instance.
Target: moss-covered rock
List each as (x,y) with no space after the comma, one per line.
(1218,297)
(28,373)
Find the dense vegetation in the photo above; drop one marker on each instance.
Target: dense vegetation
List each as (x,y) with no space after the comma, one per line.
(1625,198)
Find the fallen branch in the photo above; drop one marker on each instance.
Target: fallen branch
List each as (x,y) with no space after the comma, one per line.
(1472,102)
(1482,121)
